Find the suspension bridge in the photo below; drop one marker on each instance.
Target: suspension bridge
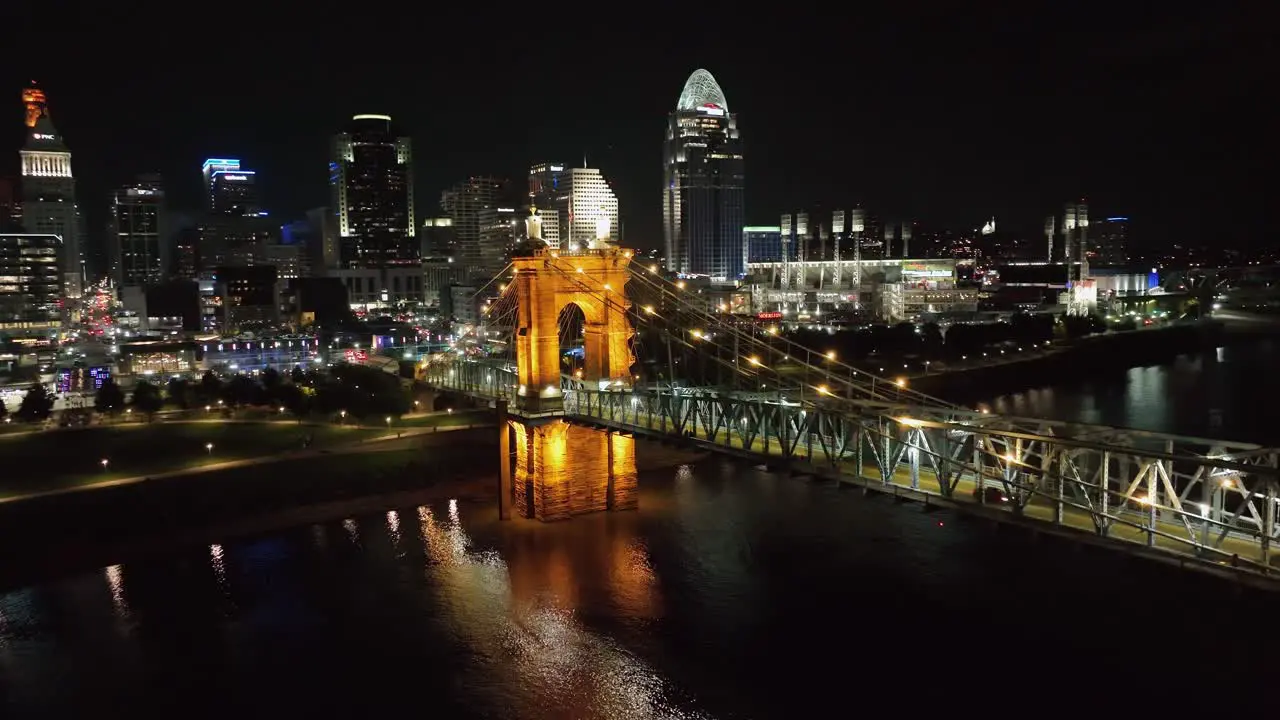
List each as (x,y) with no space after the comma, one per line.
(657,362)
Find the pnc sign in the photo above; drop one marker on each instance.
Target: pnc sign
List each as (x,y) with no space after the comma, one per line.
(44,136)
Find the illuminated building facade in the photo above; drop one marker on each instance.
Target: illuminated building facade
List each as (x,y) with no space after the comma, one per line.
(702,201)
(763,243)
(593,211)
(371,182)
(235,229)
(30,282)
(575,207)
(139,252)
(1109,241)
(550,192)
(49,191)
(890,288)
(483,225)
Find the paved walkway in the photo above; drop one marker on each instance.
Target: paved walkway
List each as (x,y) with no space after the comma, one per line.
(375,444)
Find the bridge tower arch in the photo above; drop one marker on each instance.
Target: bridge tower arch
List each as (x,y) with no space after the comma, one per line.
(545,283)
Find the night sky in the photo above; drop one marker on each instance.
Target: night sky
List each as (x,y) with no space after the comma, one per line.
(945,116)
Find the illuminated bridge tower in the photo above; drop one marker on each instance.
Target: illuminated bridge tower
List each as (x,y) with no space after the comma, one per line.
(552,470)
(546,283)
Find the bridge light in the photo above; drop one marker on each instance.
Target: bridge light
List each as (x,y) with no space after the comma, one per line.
(910,422)
(606,286)
(581,270)
(754,360)
(823,390)
(680,285)
(773,329)
(653,269)
(649,309)
(900,382)
(831,354)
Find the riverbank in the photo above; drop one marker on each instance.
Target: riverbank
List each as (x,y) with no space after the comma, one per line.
(47,536)
(74,529)
(1084,358)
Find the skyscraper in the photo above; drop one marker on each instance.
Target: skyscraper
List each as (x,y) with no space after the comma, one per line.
(584,206)
(484,228)
(139,250)
(702,202)
(49,190)
(235,228)
(371,182)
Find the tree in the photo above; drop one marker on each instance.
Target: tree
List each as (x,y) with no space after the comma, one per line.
(271,382)
(242,390)
(178,392)
(297,375)
(146,398)
(297,400)
(36,405)
(109,399)
(209,390)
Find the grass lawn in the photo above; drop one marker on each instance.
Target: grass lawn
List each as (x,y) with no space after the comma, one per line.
(56,459)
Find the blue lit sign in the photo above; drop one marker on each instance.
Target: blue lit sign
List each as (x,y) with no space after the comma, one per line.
(1114,219)
(221,163)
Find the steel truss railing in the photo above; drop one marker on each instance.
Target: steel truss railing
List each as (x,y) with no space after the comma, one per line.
(1213,500)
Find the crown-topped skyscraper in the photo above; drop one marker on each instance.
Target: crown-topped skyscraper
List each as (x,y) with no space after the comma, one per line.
(49,189)
(702,193)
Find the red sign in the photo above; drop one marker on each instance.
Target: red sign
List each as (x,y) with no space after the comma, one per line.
(769,316)
(356,356)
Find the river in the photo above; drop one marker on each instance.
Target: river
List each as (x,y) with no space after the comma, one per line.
(731,593)
(1228,394)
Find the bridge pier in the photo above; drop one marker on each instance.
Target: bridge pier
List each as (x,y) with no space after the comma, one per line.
(559,470)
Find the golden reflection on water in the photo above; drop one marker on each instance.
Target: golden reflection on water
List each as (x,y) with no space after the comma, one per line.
(519,613)
(393,527)
(562,470)
(115,583)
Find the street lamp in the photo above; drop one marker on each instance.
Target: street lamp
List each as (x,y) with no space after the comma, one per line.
(388,421)
(209,448)
(105,462)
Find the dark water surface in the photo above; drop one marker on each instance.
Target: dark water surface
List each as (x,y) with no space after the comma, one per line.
(1232,393)
(731,593)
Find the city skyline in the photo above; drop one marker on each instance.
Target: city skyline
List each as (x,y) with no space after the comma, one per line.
(1034,111)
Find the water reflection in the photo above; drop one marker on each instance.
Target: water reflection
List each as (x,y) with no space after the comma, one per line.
(393,527)
(525,614)
(115,582)
(562,470)
(1212,394)
(353,530)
